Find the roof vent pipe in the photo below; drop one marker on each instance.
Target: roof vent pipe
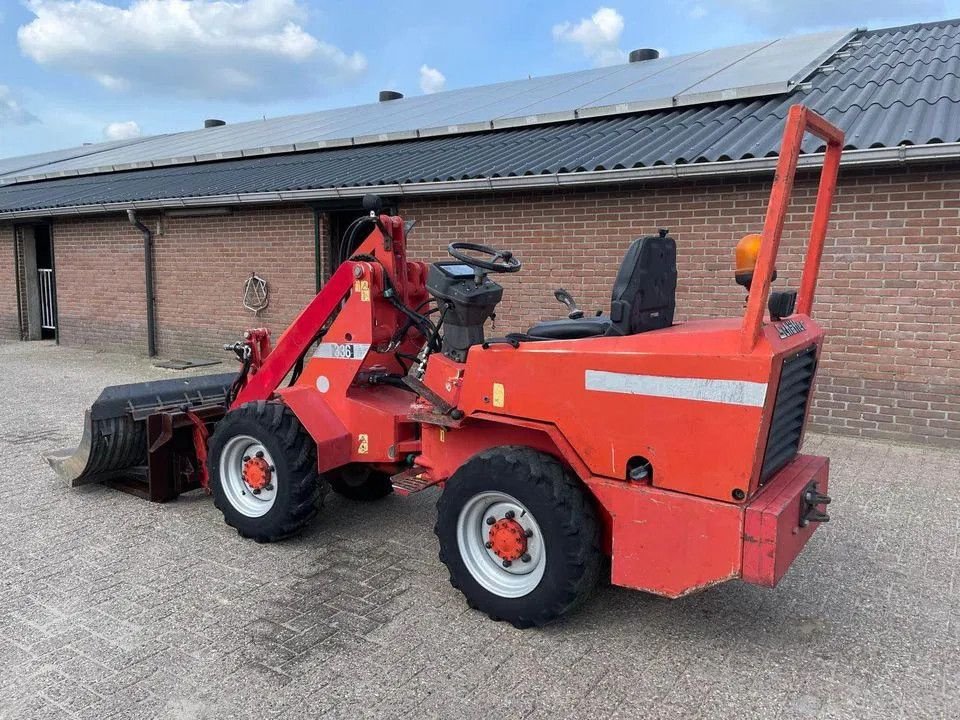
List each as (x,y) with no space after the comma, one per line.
(387,95)
(213,122)
(642,54)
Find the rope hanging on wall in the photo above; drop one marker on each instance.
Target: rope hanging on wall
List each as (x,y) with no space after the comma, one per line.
(255,296)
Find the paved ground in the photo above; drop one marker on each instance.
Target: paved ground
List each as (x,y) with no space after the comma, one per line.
(113,607)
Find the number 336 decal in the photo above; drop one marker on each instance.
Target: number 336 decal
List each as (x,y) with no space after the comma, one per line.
(342,351)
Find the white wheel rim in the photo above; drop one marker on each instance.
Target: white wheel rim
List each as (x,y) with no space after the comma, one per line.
(238,493)
(487,568)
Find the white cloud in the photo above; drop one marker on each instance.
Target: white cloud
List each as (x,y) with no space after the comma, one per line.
(211,49)
(697,12)
(125,130)
(431,79)
(598,36)
(11,111)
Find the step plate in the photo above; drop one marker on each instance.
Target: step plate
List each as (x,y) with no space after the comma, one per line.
(412,481)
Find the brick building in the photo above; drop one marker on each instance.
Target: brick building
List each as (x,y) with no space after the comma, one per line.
(567,194)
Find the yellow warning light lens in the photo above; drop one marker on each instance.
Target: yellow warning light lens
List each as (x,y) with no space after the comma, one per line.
(748,250)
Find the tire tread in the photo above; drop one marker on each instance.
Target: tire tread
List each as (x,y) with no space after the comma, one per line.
(307,487)
(577,517)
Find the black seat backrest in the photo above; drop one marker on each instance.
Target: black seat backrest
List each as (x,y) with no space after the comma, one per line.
(644,293)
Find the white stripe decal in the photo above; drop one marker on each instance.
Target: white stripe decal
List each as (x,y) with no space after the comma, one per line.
(342,351)
(729,392)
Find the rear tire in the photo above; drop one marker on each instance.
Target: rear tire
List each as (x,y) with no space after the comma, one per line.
(295,491)
(360,482)
(544,501)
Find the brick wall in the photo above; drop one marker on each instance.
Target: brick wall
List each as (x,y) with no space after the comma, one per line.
(202,264)
(889,290)
(9,321)
(101,299)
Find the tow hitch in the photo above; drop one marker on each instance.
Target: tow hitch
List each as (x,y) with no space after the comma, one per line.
(810,499)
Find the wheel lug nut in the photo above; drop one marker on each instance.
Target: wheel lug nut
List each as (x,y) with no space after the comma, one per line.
(272,469)
(491,520)
(509,515)
(529,533)
(246,458)
(507,563)
(525,557)
(256,491)
(488,545)
(268,487)
(260,453)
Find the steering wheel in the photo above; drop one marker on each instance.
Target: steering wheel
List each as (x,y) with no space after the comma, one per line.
(501,261)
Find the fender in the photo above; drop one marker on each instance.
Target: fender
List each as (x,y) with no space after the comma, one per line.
(334,441)
(495,430)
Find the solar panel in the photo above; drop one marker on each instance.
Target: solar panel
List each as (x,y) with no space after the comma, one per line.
(769,70)
(731,73)
(24,163)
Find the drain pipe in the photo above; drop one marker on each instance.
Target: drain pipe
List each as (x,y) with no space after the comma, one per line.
(148,276)
(17,267)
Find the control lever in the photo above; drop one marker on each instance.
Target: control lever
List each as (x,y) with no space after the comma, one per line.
(567,300)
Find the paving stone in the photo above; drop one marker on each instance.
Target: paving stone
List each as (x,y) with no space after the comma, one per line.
(307,640)
(112,607)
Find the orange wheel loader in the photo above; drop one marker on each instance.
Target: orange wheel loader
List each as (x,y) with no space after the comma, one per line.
(670,448)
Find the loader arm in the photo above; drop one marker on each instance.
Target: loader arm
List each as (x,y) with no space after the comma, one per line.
(296,339)
(385,247)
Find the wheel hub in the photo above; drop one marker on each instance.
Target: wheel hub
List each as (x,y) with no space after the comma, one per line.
(508,539)
(257,472)
(248,476)
(501,544)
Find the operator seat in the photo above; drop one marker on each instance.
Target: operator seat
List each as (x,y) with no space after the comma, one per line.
(643,298)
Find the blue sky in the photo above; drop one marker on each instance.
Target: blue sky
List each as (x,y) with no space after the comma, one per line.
(76,71)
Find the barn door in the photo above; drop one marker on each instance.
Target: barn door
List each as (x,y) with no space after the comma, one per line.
(37,283)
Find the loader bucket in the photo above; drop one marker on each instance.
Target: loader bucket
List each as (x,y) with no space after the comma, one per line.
(115,443)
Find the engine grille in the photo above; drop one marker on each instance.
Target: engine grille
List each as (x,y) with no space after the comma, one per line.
(789,411)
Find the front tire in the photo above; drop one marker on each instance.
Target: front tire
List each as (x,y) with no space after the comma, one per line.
(540,556)
(263,472)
